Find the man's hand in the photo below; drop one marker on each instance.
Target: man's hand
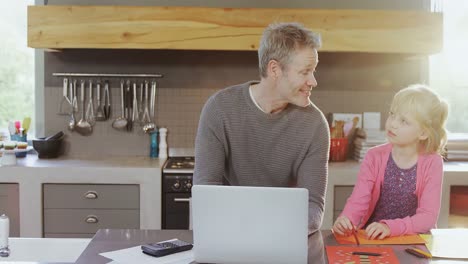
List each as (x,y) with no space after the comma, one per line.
(343,226)
(377,231)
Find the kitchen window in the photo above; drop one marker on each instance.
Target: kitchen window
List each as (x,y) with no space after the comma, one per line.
(448,72)
(17,93)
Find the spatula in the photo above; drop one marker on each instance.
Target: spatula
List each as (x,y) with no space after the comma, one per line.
(26,124)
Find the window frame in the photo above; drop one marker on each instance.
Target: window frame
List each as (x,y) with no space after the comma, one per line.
(39,111)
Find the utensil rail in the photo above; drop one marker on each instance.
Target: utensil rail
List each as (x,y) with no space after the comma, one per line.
(108,75)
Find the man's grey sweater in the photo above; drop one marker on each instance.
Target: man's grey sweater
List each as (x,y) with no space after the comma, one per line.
(238,144)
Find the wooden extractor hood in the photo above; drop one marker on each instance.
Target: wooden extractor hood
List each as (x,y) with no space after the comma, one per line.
(200,28)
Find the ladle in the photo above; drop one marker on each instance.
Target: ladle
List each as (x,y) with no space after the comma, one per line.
(90,110)
(121,121)
(99,112)
(148,125)
(83,127)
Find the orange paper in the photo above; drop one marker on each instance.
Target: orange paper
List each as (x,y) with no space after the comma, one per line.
(343,254)
(398,240)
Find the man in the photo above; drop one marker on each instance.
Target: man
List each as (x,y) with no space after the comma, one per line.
(269,133)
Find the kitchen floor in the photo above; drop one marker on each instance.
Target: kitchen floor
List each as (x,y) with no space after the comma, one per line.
(458,221)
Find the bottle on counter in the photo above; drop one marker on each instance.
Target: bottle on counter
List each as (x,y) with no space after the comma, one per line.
(162,143)
(154,144)
(4,234)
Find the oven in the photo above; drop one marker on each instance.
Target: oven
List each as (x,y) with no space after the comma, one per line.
(177,177)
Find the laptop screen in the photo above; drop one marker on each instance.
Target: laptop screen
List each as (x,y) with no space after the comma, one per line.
(233,224)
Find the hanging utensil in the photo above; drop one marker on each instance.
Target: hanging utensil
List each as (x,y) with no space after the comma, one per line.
(121,122)
(125,98)
(75,100)
(129,100)
(140,104)
(148,126)
(65,103)
(107,102)
(135,117)
(72,122)
(100,116)
(90,109)
(152,100)
(83,127)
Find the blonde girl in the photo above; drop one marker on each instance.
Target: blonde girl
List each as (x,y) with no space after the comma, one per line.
(399,185)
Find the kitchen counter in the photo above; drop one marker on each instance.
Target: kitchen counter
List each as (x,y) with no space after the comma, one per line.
(45,250)
(30,173)
(107,240)
(110,162)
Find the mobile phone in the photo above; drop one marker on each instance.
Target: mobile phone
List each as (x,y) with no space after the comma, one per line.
(167,247)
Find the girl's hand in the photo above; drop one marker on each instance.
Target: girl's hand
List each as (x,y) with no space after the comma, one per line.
(343,226)
(377,231)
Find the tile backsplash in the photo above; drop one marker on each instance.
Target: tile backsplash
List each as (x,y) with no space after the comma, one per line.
(347,83)
(177,109)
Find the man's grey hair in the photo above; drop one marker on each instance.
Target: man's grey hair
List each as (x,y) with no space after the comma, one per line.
(279,42)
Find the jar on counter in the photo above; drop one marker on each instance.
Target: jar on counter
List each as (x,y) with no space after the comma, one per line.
(4,136)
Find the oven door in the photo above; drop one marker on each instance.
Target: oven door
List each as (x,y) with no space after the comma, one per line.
(176,211)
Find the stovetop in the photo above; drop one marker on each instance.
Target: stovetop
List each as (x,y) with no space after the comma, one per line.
(179,165)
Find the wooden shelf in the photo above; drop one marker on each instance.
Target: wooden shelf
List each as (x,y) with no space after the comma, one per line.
(200,28)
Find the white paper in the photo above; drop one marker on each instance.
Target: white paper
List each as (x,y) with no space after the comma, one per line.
(135,255)
(449,243)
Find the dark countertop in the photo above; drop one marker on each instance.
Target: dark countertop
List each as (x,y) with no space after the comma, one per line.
(114,239)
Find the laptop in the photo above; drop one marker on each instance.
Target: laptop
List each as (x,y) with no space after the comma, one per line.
(233,224)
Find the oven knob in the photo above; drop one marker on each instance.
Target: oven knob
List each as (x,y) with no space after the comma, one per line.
(188,185)
(176,185)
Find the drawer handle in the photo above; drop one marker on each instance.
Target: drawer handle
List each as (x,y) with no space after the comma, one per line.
(91,195)
(91,219)
(181,200)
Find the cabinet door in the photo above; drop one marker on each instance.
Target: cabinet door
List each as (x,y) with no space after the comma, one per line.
(9,205)
(79,196)
(79,210)
(88,221)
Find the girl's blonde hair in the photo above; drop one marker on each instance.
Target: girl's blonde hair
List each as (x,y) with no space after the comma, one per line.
(429,110)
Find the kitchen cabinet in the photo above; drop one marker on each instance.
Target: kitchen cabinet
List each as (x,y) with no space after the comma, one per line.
(342,194)
(79,210)
(127,184)
(9,205)
(459,200)
(203,28)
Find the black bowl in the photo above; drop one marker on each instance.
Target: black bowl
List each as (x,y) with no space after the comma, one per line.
(48,149)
